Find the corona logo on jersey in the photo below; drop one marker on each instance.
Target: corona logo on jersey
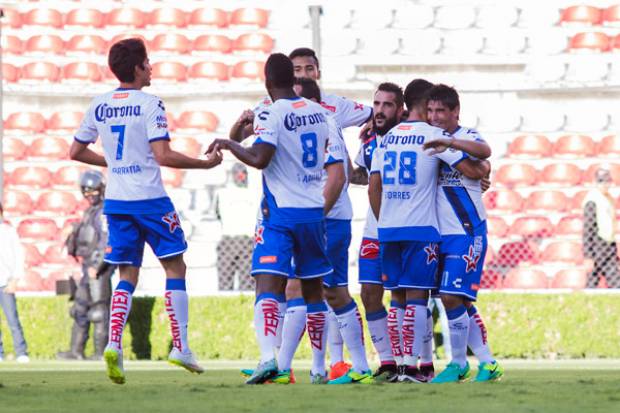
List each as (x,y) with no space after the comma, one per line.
(432,252)
(172,219)
(293,121)
(369,249)
(103,111)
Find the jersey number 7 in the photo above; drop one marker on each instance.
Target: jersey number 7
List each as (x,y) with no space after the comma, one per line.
(120,129)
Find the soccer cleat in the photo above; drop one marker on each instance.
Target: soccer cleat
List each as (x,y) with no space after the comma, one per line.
(249,372)
(352,377)
(318,378)
(453,373)
(283,377)
(428,371)
(489,372)
(185,360)
(339,369)
(410,374)
(387,373)
(263,372)
(114,364)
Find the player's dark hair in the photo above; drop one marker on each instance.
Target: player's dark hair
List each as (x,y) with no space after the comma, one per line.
(447,95)
(416,93)
(304,52)
(124,56)
(279,71)
(395,89)
(309,88)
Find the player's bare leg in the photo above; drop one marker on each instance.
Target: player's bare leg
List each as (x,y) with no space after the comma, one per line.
(377,319)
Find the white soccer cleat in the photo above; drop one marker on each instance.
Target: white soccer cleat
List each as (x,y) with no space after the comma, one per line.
(23,359)
(185,360)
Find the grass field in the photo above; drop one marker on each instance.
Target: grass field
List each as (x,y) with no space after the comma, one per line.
(547,386)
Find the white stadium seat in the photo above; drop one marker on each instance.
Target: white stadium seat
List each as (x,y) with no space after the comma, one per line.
(539,15)
(506,120)
(593,69)
(546,70)
(414,16)
(379,43)
(597,118)
(542,118)
(339,42)
(455,17)
(420,42)
(371,18)
(548,42)
(505,42)
(462,42)
(497,16)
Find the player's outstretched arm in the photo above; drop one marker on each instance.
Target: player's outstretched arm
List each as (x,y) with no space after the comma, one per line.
(375,189)
(165,156)
(359,176)
(477,149)
(336,178)
(474,169)
(258,155)
(243,127)
(82,153)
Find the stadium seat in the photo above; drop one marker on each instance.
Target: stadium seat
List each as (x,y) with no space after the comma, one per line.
(166,18)
(561,174)
(413,16)
(13,149)
(45,44)
(420,42)
(581,15)
(497,16)
(490,256)
(505,42)
(455,17)
(462,42)
(32,281)
(576,122)
(249,17)
(590,173)
(11,45)
(12,18)
(31,122)
(82,72)
(514,253)
(57,255)
(172,177)
(125,17)
(32,255)
(127,35)
(210,17)
(497,227)
(503,201)
(348,43)
(84,18)
(86,44)
(545,71)
(211,71)
(532,227)
(568,252)
(31,177)
(589,42)
(594,69)
(40,72)
(188,146)
(573,278)
(525,278)
(170,43)
(253,42)
(43,17)
(200,121)
(547,42)
(372,18)
(504,121)
(571,225)
(48,148)
(491,279)
(611,16)
(512,175)
(251,70)
(63,122)
(547,201)
(609,146)
(10,73)
(169,72)
(530,147)
(576,203)
(212,43)
(56,203)
(38,229)
(574,146)
(17,203)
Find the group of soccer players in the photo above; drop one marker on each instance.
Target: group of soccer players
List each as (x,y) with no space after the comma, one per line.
(425,230)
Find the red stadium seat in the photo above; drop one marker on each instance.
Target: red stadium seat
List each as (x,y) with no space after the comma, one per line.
(38,229)
(13,149)
(573,278)
(128,35)
(32,255)
(167,17)
(68,176)
(609,146)
(169,71)
(31,281)
(56,203)
(32,122)
(491,279)
(253,42)
(43,17)
(525,278)
(12,18)
(12,45)
(48,148)
(574,146)
(188,146)
(514,253)
(64,122)
(212,43)
(532,227)
(31,177)
(497,227)
(512,175)
(490,256)
(198,120)
(569,252)
(56,254)
(563,174)
(170,43)
(590,173)
(10,73)
(209,17)
(611,16)
(576,203)
(582,15)
(250,17)
(249,70)
(83,72)
(547,201)
(172,177)
(83,18)
(571,225)
(590,42)
(86,44)
(40,72)
(125,17)
(209,71)
(503,200)
(45,44)
(17,203)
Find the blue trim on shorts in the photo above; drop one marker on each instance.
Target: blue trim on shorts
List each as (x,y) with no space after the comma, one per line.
(377,315)
(316,307)
(296,302)
(346,308)
(421,233)
(125,286)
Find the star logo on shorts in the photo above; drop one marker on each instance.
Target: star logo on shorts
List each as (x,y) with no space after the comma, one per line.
(258,235)
(172,219)
(432,252)
(471,260)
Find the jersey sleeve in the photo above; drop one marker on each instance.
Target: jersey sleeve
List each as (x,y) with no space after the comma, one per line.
(336,149)
(266,127)
(359,158)
(376,164)
(450,156)
(156,121)
(352,113)
(87,133)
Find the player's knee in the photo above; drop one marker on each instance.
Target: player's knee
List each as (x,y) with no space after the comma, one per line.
(372,297)
(337,297)
(412,294)
(451,301)
(293,289)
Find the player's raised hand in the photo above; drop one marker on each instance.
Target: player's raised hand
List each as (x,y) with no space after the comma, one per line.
(438,145)
(247,116)
(218,145)
(214,158)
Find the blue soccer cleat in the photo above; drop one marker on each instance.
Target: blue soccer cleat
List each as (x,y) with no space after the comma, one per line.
(489,372)
(453,373)
(264,372)
(352,377)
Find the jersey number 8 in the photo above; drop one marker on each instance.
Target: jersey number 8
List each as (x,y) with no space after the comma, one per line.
(406,168)
(309,146)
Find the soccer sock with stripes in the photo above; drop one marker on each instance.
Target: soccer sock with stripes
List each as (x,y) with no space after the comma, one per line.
(266,321)
(316,324)
(177,307)
(395,327)
(414,329)
(426,355)
(292,331)
(120,307)
(477,340)
(282,311)
(377,325)
(458,322)
(350,322)
(334,339)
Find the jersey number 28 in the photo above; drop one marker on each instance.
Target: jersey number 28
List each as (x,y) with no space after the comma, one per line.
(406,168)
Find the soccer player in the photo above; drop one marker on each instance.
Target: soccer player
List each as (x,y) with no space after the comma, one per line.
(402,192)
(462,222)
(291,138)
(133,128)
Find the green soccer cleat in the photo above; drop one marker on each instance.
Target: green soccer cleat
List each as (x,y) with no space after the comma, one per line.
(264,372)
(114,363)
(247,372)
(352,377)
(318,378)
(489,372)
(453,373)
(283,377)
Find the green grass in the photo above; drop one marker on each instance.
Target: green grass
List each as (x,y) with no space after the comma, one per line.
(584,386)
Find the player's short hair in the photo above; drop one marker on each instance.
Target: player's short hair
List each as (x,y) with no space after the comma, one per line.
(309,88)
(395,89)
(304,52)
(279,71)
(124,56)
(416,93)
(447,95)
